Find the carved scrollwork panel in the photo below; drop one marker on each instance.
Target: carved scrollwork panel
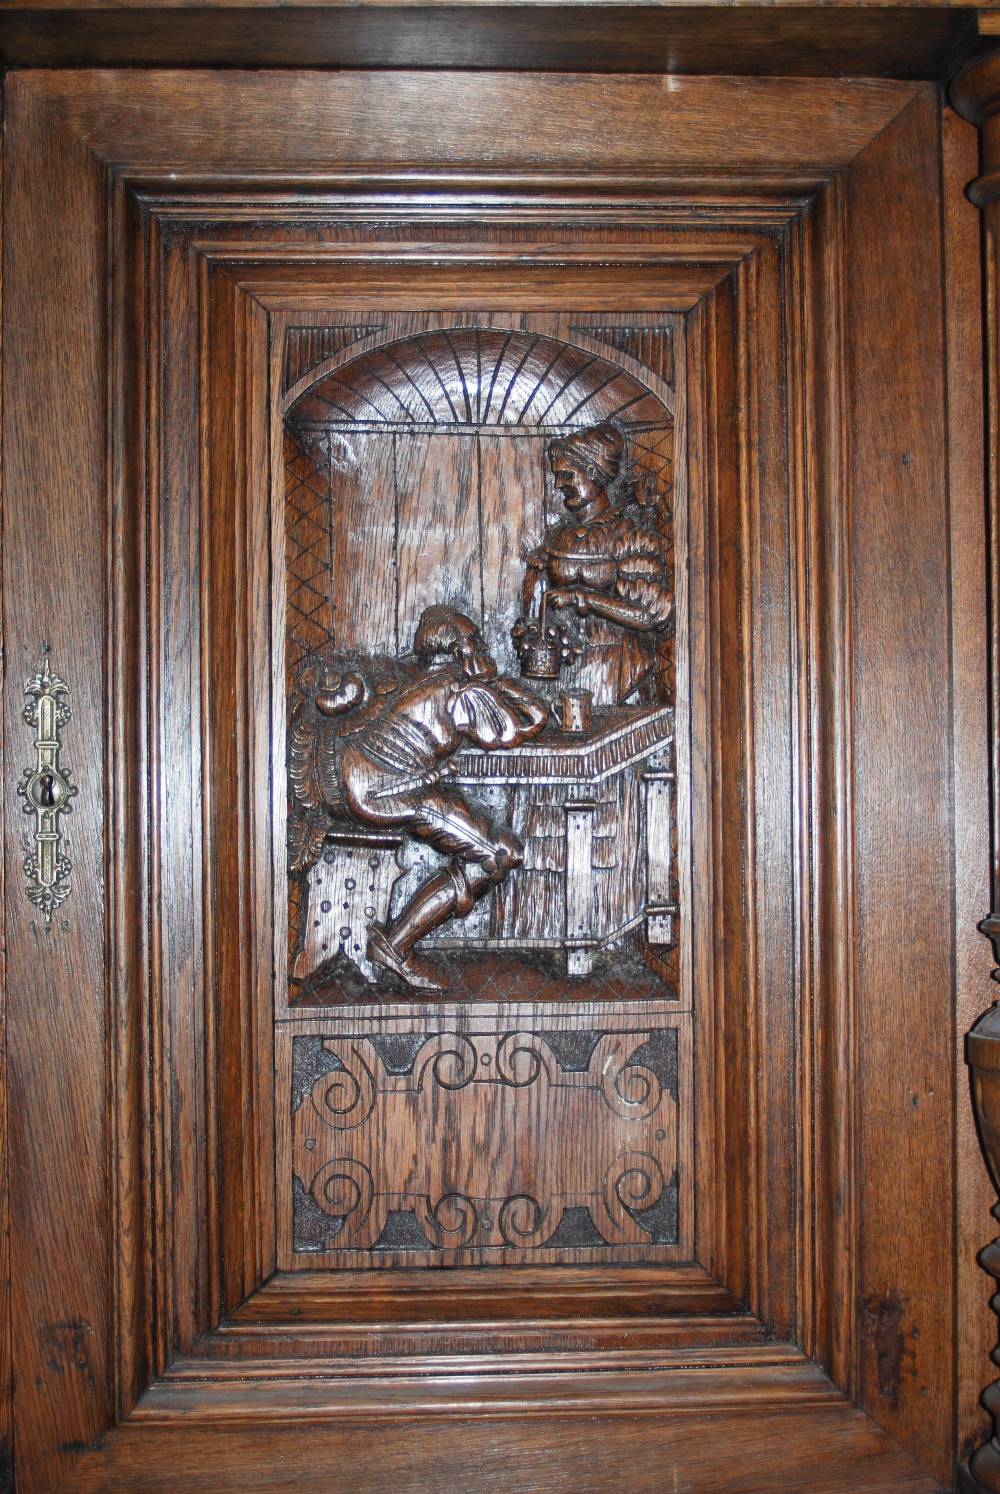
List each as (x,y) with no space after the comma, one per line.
(486,1146)
(480,563)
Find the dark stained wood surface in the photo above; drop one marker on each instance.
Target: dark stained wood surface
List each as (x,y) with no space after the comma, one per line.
(825,993)
(6,1336)
(974,96)
(898,569)
(61,1313)
(316,121)
(827,1452)
(529,1292)
(969,643)
(898,42)
(518,1154)
(237,1047)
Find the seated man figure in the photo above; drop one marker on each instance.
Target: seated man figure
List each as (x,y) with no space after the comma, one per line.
(395,763)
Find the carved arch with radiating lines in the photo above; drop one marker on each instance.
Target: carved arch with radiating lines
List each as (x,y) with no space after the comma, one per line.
(471,376)
(415,473)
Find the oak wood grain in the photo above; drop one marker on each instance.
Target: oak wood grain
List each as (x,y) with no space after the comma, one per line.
(663,1383)
(974,94)
(970,644)
(236,685)
(334,1297)
(483,120)
(56,1031)
(900,667)
(829,1452)
(920,41)
(754,239)
(6,1338)
(774,7)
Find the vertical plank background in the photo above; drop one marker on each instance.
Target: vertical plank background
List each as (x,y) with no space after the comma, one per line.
(508,467)
(364,528)
(439,561)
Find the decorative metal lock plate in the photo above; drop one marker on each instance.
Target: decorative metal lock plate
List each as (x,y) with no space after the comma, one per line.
(47,789)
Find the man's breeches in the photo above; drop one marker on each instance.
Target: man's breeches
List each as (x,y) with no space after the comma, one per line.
(484,853)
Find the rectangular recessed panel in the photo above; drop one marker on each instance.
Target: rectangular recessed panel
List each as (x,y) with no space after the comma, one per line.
(479,552)
(488,1143)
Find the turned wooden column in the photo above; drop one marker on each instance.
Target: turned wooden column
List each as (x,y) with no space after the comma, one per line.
(983,1053)
(975,93)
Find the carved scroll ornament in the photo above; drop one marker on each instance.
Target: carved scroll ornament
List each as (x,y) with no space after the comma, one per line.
(563,1157)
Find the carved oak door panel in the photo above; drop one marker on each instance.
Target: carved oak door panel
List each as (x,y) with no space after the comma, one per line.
(498,554)
(483,1041)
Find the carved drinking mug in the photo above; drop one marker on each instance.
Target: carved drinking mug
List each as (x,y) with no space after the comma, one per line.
(574,710)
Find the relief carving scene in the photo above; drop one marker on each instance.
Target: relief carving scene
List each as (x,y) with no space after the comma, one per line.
(484,1048)
(480,645)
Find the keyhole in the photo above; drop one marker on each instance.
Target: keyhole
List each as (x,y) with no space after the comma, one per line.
(46,797)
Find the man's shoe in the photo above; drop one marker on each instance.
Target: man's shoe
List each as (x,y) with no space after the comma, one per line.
(410,968)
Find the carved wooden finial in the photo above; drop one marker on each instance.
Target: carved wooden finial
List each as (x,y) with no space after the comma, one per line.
(975,94)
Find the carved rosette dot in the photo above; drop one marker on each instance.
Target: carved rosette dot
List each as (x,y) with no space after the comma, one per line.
(47,789)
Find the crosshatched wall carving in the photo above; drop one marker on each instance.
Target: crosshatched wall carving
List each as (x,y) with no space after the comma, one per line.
(480,659)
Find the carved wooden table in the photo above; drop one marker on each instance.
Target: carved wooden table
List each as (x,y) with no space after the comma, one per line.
(598,832)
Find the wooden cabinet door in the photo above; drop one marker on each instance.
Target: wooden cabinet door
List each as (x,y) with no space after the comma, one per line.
(500,559)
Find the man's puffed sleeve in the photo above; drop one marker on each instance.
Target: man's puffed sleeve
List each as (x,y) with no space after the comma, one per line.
(499,714)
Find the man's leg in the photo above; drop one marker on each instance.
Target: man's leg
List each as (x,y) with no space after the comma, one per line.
(482,856)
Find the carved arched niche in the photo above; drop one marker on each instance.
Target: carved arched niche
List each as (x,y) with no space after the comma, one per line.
(418,475)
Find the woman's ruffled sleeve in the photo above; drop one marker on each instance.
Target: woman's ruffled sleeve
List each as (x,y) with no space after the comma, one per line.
(643,577)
